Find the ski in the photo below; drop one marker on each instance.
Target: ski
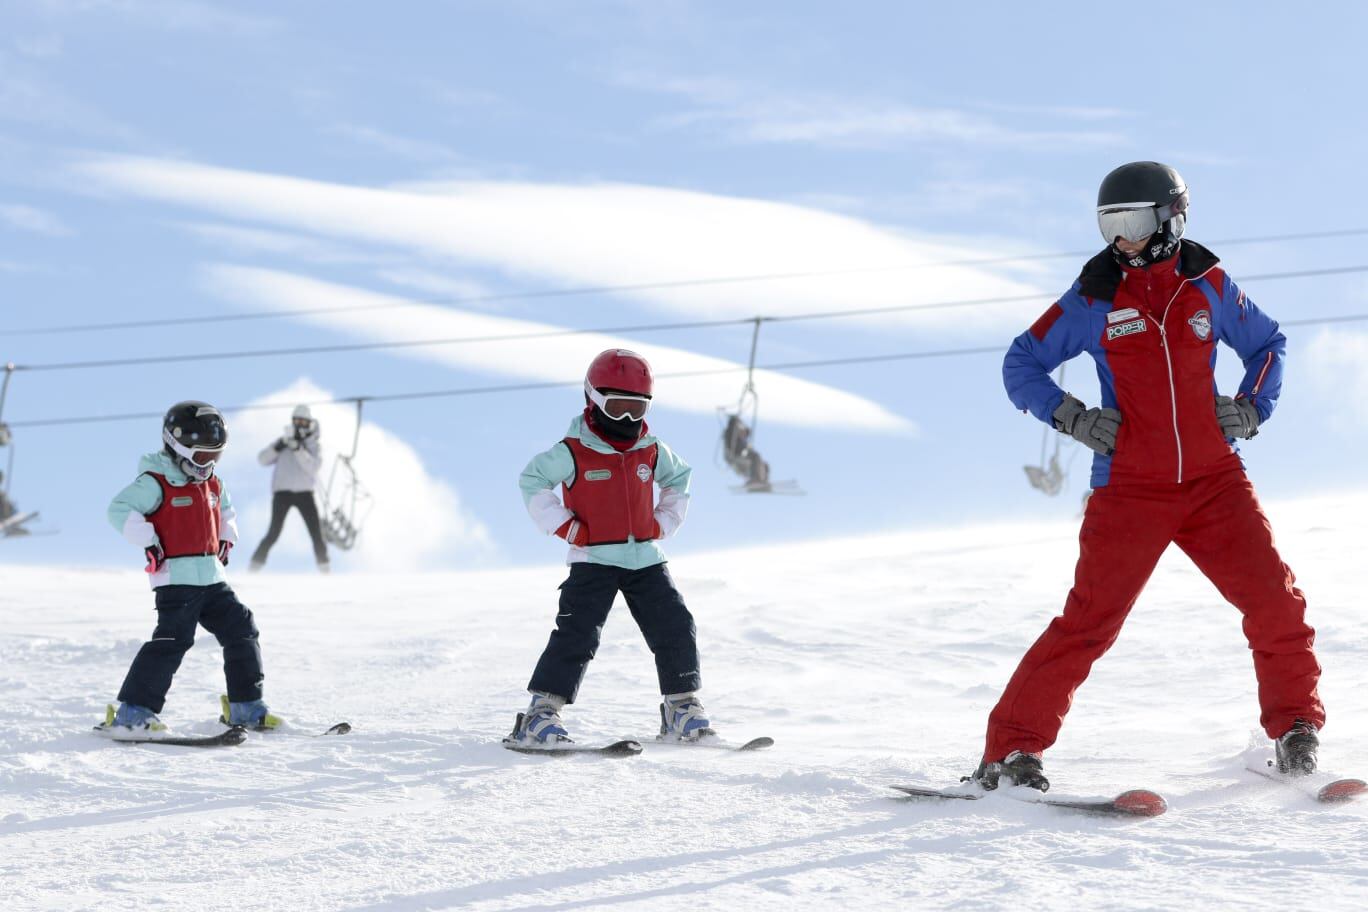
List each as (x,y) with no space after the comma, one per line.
(568,748)
(1326,788)
(341,728)
(229,738)
(716,743)
(1132,803)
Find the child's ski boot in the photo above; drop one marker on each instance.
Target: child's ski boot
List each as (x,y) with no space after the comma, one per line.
(1018,768)
(683,718)
(132,717)
(1296,749)
(541,724)
(252,714)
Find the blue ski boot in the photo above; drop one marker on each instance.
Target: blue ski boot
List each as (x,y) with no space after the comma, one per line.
(541,725)
(683,718)
(132,717)
(253,714)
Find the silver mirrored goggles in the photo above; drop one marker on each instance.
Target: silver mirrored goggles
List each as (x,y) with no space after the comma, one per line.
(1136,221)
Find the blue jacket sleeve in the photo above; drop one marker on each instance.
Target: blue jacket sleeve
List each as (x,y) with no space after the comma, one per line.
(1258,341)
(1061,333)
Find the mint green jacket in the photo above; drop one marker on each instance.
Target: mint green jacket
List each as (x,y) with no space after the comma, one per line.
(554,467)
(128,513)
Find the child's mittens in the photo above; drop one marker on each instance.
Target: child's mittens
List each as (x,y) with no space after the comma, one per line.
(156,558)
(575,532)
(224,548)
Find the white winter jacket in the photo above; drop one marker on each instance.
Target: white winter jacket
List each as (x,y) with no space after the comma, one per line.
(296,464)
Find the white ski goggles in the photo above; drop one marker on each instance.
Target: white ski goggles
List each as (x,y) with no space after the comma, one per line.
(1136,221)
(619,405)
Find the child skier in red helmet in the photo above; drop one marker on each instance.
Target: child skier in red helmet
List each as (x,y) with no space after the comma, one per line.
(610,516)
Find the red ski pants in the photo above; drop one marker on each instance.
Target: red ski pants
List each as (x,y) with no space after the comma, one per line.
(1218,523)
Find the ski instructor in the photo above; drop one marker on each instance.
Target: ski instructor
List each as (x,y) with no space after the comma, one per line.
(1150,309)
(296,459)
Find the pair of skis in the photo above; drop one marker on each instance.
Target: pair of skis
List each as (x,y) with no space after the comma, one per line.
(230,737)
(628,748)
(1324,787)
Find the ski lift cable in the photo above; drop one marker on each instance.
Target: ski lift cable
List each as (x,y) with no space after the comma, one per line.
(561,384)
(640,328)
(639,286)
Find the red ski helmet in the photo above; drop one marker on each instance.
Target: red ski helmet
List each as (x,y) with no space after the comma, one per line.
(619,383)
(621,371)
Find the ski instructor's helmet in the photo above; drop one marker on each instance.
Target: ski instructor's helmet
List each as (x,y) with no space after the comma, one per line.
(1139,200)
(618,385)
(195,433)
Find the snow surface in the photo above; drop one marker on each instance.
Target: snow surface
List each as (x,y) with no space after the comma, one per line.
(871,661)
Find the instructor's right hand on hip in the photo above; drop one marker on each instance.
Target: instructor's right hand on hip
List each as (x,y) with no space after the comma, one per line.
(1095,428)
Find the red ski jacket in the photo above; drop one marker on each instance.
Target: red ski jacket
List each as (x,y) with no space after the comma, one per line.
(1152,333)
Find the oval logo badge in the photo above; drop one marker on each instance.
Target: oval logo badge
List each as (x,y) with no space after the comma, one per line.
(598,475)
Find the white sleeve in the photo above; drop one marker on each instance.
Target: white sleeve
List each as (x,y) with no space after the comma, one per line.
(138,530)
(547,511)
(670,510)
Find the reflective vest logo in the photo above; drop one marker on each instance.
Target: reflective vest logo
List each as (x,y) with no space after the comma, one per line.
(1201,324)
(644,473)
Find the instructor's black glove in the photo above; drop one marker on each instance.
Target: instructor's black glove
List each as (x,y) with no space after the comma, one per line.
(1095,428)
(1238,417)
(280,444)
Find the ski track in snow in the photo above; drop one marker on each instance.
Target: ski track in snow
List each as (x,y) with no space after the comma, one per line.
(871,661)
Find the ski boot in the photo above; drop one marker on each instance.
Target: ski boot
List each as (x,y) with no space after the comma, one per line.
(1296,749)
(252,714)
(132,717)
(1018,767)
(541,725)
(683,718)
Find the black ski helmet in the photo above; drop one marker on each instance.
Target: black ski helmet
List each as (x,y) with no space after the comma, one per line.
(195,433)
(1141,199)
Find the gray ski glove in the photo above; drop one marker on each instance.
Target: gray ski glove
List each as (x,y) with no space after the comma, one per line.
(1095,428)
(1238,417)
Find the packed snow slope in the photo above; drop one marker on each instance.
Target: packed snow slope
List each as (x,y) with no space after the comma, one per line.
(871,662)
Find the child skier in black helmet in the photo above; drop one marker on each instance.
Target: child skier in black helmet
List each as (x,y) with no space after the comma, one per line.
(179,512)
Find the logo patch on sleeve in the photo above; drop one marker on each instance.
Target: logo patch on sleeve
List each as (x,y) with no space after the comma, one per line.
(1126,329)
(1201,324)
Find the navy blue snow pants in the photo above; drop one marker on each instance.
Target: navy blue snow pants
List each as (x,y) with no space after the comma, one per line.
(586,597)
(179,610)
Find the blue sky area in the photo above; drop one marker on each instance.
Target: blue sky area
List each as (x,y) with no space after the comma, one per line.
(162,159)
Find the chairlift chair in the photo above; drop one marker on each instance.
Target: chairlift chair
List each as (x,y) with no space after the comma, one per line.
(1049,477)
(738,433)
(346,502)
(12,522)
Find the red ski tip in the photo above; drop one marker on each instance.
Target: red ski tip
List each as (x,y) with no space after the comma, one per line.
(1342,790)
(1140,803)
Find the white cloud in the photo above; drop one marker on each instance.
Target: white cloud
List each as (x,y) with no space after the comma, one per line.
(298,247)
(36,221)
(751,115)
(1339,367)
(373,317)
(403,147)
(613,235)
(418,520)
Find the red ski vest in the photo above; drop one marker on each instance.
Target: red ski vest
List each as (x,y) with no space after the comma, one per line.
(187,522)
(613,493)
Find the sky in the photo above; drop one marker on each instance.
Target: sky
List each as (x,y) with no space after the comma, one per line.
(451,170)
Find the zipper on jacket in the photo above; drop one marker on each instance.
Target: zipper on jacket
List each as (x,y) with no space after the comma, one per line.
(626,495)
(1173,395)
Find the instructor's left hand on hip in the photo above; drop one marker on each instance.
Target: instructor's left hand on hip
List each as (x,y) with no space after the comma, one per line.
(1237,417)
